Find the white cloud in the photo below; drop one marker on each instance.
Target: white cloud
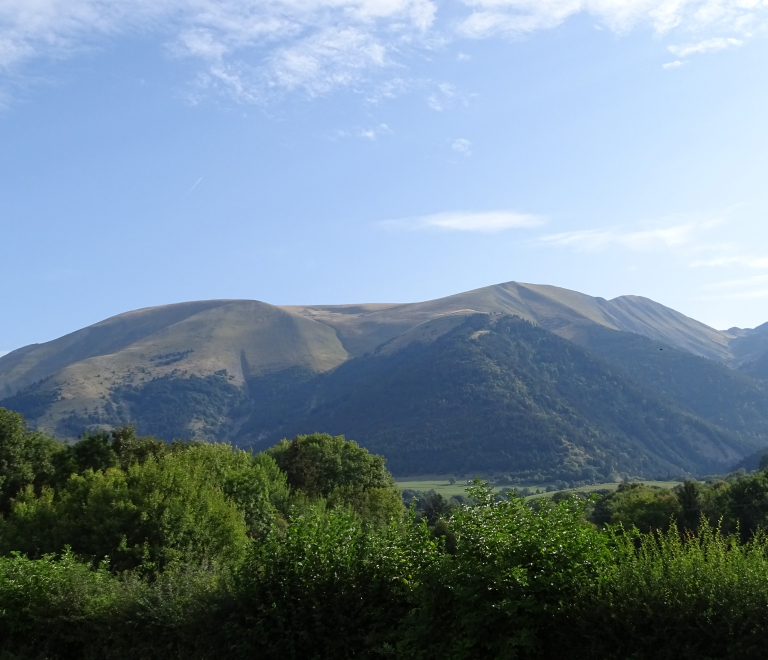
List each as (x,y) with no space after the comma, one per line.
(253,49)
(332,58)
(730,284)
(691,242)
(389,89)
(737,289)
(672,65)
(737,295)
(373,133)
(249,48)
(3,353)
(443,97)
(517,17)
(489,222)
(747,261)
(675,236)
(706,46)
(462,146)
(434,102)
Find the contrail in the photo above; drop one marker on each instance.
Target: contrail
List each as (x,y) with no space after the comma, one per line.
(195,186)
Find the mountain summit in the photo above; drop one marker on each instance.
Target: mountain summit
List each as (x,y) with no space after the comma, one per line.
(210,368)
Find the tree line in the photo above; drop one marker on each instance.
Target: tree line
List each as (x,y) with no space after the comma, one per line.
(123,546)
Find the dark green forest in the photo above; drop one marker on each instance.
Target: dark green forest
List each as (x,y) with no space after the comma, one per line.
(710,390)
(501,394)
(125,546)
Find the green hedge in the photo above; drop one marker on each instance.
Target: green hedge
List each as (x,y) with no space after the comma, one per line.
(511,583)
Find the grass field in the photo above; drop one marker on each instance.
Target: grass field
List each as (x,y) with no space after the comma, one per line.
(447,489)
(438,485)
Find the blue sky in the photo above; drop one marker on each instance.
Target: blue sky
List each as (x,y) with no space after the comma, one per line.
(338,151)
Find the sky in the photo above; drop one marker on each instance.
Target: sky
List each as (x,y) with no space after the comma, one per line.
(343,151)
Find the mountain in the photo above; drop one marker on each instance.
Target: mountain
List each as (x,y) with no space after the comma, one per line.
(718,394)
(749,349)
(230,369)
(361,328)
(497,393)
(82,379)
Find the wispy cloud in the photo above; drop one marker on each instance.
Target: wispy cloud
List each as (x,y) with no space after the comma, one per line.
(736,295)
(253,50)
(745,288)
(462,146)
(706,46)
(674,236)
(489,222)
(443,97)
(2,352)
(744,281)
(693,243)
(373,133)
(250,49)
(194,185)
(672,65)
(524,16)
(745,260)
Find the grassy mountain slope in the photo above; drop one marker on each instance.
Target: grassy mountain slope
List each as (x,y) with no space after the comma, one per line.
(361,328)
(239,338)
(650,319)
(20,369)
(498,393)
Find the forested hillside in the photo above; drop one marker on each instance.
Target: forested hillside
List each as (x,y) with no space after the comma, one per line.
(500,394)
(716,393)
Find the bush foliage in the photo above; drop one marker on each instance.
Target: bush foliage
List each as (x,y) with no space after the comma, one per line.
(125,547)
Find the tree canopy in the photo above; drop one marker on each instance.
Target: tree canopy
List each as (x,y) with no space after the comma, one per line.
(145,504)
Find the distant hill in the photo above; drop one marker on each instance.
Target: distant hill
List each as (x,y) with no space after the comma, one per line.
(500,394)
(708,389)
(749,349)
(230,369)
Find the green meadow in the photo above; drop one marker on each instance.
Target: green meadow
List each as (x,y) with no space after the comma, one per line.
(443,486)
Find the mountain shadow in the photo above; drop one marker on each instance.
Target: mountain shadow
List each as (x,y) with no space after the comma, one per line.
(499,394)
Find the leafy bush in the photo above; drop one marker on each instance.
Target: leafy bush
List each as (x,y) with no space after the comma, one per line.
(673,596)
(49,606)
(124,547)
(328,587)
(342,472)
(26,457)
(512,571)
(150,515)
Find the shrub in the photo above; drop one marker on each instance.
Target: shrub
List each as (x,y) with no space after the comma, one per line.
(673,596)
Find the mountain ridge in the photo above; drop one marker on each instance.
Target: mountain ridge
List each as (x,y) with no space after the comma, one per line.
(554,308)
(201,368)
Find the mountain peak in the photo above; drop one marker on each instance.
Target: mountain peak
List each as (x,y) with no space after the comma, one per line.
(77,374)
